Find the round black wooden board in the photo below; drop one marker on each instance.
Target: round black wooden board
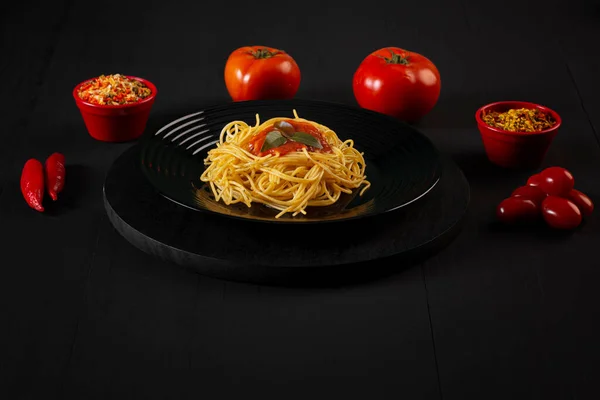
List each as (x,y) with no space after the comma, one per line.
(282,254)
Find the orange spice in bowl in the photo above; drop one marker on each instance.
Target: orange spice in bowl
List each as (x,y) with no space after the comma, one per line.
(115,108)
(113,90)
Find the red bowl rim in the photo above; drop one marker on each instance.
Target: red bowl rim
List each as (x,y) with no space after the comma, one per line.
(520,104)
(120,106)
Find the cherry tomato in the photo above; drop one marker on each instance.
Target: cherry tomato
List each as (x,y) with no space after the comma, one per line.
(582,201)
(397,82)
(534,180)
(556,181)
(260,73)
(516,209)
(560,213)
(533,193)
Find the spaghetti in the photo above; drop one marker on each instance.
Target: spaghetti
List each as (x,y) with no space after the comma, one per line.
(284,168)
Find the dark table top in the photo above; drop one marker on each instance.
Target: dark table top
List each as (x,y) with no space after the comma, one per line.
(495,315)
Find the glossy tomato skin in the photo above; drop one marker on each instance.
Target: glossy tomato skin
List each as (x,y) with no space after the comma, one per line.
(560,213)
(556,181)
(398,83)
(582,201)
(517,209)
(533,193)
(534,180)
(261,73)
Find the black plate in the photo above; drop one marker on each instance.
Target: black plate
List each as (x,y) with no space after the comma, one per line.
(402,164)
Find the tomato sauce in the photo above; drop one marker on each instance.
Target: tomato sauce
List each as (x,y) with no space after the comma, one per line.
(258,140)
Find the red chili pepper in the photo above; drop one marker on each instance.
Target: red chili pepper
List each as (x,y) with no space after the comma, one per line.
(32,184)
(55,174)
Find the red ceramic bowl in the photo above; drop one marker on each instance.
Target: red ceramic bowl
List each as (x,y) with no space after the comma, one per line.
(516,149)
(120,123)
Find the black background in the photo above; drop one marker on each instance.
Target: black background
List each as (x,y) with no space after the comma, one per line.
(498,314)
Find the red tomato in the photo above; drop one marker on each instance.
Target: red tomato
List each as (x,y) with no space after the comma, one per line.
(533,193)
(582,201)
(534,180)
(560,213)
(516,209)
(260,73)
(397,82)
(556,181)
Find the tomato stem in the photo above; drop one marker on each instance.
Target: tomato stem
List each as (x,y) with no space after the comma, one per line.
(396,58)
(263,53)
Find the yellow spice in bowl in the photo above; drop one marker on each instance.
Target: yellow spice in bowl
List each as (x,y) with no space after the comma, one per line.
(519,120)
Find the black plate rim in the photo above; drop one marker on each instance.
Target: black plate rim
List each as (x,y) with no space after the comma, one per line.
(300,221)
(216,105)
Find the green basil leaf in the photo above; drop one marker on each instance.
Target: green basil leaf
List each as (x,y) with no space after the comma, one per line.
(274,139)
(285,128)
(305,138)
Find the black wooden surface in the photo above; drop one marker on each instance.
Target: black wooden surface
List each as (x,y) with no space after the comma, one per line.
(498,314)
